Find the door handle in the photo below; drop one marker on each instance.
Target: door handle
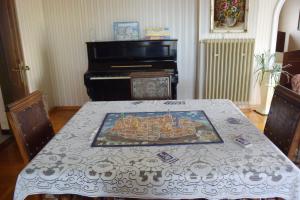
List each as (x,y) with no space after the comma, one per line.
(26,68)
(21,68)
(16,70)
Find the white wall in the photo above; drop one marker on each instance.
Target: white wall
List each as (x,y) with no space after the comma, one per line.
(288,23)
(260,18)
(69,25)
(35,46)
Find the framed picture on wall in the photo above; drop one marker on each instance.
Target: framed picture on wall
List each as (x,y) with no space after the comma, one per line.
(229,15)
(126,30)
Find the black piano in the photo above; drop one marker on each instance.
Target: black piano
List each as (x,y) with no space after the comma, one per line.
(111,62)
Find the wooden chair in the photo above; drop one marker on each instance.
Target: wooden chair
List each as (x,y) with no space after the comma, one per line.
(283,122)
(150,86)
(30,125)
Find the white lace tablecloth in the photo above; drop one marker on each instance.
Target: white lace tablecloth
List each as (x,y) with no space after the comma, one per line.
(69,165)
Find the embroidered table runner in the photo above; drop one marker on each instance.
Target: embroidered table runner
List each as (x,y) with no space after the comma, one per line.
(69,165)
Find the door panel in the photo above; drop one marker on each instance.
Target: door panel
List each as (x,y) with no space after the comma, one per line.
(12,70)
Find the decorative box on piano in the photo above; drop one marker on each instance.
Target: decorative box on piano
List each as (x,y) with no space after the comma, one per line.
(112,62)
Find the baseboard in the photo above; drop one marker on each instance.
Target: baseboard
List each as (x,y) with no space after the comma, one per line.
(245,106)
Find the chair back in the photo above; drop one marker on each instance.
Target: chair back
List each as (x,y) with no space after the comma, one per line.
(150,86)
(30,124)
(283,122)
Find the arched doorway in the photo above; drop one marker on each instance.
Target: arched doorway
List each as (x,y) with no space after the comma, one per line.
(275,25)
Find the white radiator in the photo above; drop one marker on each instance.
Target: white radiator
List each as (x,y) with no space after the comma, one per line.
(228,69)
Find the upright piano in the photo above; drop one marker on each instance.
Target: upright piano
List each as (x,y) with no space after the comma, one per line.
(110,64)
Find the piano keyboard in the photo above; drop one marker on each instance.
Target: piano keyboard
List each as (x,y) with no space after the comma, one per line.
(109,77)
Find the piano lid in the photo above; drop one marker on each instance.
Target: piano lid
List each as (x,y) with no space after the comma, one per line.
(135,50)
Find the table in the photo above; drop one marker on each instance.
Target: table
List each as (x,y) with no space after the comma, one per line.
(68,163)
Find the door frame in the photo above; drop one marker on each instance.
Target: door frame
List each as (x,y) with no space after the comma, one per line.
(275,25)
(15,37)
(18,50)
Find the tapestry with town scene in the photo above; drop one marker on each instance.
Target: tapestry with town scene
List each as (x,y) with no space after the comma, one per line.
(155,128)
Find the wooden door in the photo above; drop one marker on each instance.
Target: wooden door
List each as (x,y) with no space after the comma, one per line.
(13,79)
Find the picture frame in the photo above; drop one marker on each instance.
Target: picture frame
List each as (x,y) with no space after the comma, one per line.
(126,30)
(229,16)
(150,85)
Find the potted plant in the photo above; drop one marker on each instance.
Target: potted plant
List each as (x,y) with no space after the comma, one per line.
(268,74)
